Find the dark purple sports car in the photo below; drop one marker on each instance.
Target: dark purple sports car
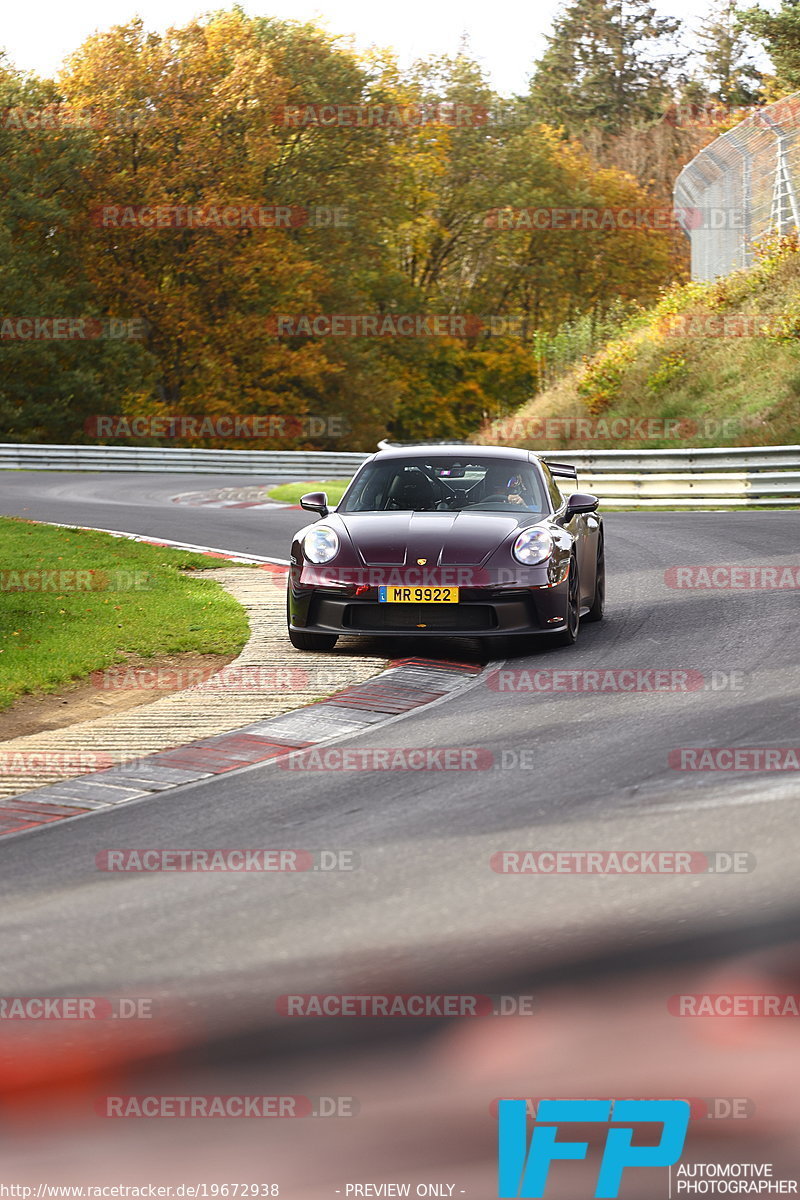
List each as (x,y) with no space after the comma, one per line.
(474,541)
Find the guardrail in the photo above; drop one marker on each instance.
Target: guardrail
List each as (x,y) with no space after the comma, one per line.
(276,464)
(739,476)
(748,476)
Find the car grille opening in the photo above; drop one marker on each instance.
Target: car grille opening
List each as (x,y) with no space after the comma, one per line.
(412,616)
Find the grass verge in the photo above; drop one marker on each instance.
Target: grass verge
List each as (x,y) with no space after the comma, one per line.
(74,601)
(712,364)
(290,493)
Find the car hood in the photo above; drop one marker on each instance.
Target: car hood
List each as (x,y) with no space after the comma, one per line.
(444,539)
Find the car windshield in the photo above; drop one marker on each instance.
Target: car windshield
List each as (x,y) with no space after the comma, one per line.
(446,484)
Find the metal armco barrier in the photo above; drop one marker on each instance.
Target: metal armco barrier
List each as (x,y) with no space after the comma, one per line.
(276,464)
(749,476)
(746,476)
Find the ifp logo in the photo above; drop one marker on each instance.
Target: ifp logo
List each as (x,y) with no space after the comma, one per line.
(523,1172)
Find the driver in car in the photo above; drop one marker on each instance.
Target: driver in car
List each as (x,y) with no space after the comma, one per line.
(499,483)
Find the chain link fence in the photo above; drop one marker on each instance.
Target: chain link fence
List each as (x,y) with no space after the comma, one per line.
(741,187)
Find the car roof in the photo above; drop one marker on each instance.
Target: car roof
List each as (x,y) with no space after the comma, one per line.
(453,449)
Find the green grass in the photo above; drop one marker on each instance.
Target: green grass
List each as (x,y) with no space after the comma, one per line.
(54,629)
(290,493)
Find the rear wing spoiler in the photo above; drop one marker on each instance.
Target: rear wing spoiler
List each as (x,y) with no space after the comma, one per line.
(562,470)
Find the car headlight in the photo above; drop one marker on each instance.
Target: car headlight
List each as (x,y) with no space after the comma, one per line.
(533,546)
(321,544)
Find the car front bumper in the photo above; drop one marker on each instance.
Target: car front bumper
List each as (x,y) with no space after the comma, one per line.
(479,612)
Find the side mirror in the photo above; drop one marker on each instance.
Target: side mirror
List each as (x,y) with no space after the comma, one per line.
(315,502)
(581,502)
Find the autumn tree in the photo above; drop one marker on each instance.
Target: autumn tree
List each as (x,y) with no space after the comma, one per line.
(392,218)
(50,382)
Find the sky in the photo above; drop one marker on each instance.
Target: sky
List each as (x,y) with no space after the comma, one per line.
(505,35)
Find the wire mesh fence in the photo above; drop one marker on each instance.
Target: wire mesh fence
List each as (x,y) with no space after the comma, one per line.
(742,186)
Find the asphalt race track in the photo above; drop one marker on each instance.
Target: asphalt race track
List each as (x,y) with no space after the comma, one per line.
(138,503)
(595,775)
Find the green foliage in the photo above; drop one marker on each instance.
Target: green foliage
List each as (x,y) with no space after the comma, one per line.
(725,58)
(671,369)
(606,66)
(715,363)
(780,34)
(602,377)
(579,338)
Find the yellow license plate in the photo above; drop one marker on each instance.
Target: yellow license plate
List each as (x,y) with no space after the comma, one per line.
(418,595)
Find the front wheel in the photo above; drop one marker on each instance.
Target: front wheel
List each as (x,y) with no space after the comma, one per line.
(569,636)
(313,642)
(595,613)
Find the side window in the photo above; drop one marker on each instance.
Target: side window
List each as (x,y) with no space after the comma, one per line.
(552,488)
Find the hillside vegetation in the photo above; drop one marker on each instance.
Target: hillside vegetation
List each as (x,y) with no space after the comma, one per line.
(710,364)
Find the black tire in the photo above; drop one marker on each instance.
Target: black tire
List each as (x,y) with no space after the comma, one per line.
(569,636)
(312,642)
(595,613)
